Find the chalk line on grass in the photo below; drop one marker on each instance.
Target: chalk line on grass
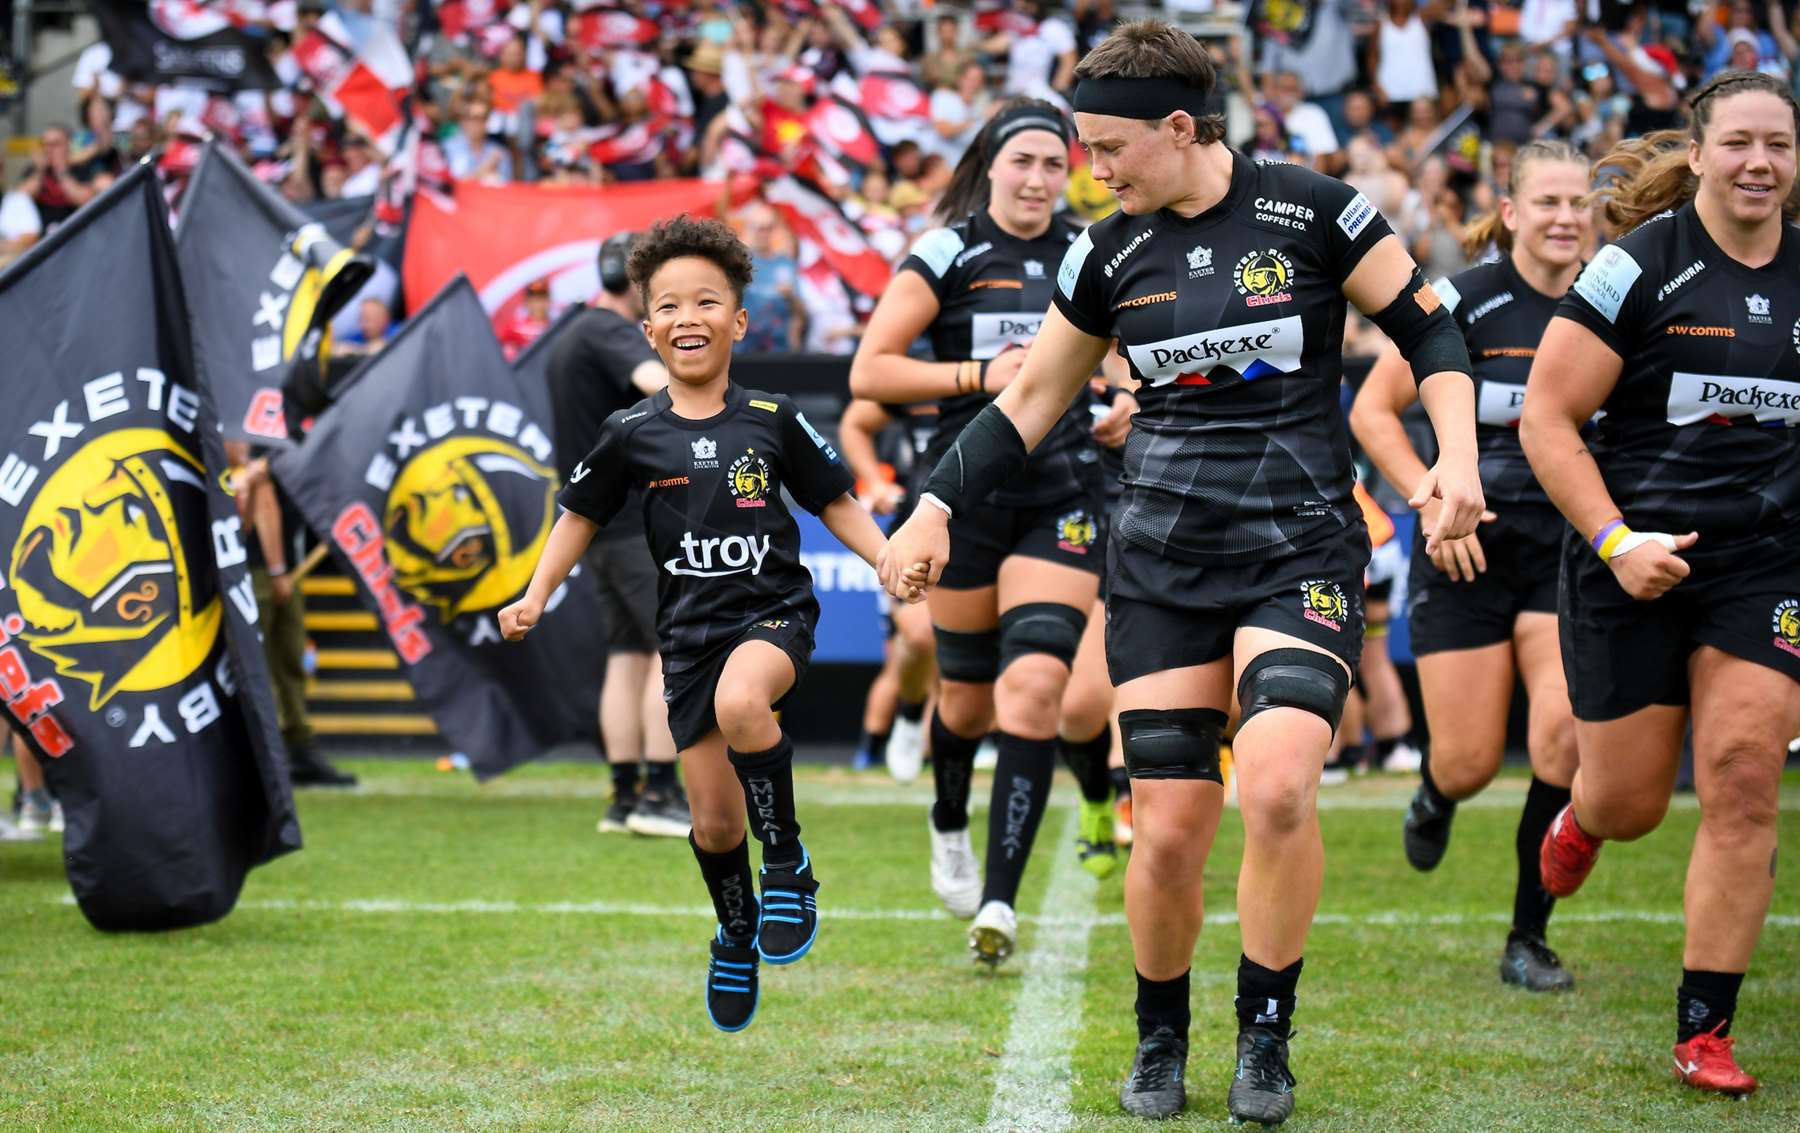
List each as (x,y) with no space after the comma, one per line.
(1031,1087)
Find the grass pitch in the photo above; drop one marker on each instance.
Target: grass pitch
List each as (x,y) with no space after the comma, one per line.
(443,956)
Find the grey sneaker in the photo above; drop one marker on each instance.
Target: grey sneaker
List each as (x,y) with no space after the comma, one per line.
(1529,963)
(1157,1086)
(1262,1090)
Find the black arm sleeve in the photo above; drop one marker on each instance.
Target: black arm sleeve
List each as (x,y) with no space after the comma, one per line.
(1423,330)
(987,454)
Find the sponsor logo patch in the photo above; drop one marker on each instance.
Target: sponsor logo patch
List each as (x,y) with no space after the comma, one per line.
(1758,306)
(1251,349)
(1700,332)
(1075,531)
(1680,278)
(1322,601)
(1199,261)
(706,452)
(1606,280)
(1147,300)
(1356,216)
(1716,398)
(1786,625)
(749,480)
(1498,403)
(770,406)
(1264,278)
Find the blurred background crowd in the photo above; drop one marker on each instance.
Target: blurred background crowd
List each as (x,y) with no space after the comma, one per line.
(1421,105)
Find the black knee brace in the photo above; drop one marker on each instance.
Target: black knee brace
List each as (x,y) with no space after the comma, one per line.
(1172,743)
(1294,678)
(973,658)
(1041,627)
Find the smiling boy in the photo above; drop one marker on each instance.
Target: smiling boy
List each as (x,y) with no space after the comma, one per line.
(735,607)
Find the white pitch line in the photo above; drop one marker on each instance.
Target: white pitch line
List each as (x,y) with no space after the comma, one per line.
(1031,1087)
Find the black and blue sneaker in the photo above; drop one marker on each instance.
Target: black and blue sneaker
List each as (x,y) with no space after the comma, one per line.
(790,915)
(1262,1090)
(731,985)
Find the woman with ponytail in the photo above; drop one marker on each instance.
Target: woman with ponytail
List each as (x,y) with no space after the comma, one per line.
(1010,614)
(1680,599)
(1483,608)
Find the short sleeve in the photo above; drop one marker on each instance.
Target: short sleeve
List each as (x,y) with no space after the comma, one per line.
(933,258)
(1351,223)
(813,473)
(597,488)
(1056,36)
(1079,295)
(1606,298)
(622,349)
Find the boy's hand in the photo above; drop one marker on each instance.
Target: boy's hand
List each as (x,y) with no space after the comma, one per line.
(517,619)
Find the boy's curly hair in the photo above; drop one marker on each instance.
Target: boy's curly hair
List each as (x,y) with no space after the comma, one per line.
(686,236)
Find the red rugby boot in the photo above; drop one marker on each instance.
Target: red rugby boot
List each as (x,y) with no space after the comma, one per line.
(1567,854)
(1705,1063)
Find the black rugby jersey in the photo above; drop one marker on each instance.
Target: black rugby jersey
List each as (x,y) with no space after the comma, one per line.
(728,550)
(1698,434)
(992,290)
(1502,318)
(1233,322)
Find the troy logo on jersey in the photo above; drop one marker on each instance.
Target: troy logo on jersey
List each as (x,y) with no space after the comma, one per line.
(716,556)
(1252,350)
(1706,397)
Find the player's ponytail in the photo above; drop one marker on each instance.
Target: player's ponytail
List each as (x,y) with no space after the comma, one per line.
(969,186)
(1642,177)
(1487,230)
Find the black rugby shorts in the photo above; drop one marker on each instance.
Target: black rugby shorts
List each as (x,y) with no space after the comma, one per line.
(625,572)
(1162,613)
(1523,552)
(1621,655)
(690,692)
(1067,532)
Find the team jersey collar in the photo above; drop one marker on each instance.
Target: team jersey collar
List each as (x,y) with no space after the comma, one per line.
(734,399)
(1243,178)
(1784,258)
(985,227)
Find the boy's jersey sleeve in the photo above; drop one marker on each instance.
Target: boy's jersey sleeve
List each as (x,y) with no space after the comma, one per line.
(1082,296)
(597,488)
(814,474)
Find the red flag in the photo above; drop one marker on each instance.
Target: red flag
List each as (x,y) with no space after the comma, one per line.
(602,30)
(812,215)
(841,127)
(893,96)
(867,13)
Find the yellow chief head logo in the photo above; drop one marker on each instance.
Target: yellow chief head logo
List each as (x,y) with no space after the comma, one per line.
(1076,529)
(466,520)
(749,479)
(111,566)
(1264,275)
(1787,621)
(1325,599)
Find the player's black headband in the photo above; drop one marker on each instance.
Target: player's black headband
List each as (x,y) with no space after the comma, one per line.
(1021,118)
(1149,99)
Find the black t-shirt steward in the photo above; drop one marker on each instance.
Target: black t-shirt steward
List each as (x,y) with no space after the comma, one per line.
(726,548)
(1233,322)
(590,379)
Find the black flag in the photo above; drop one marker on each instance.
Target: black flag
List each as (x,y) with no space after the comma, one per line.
(182,43)
(264,279)
(433,479)
(128,645)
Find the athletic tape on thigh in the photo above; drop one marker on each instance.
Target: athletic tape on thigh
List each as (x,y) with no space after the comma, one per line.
(1172,743)
(1294,678)
(970,657)
(1041,627)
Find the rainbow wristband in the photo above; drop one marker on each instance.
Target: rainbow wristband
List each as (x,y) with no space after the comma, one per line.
(1607,539)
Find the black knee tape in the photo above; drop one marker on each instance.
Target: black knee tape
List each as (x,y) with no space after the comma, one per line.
(1294,678)
(1172,743)
(973,658)
(1041,627)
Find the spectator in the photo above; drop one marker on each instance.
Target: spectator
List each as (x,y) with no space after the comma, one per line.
(945,64)
(1724,46)
(20,225)
(513,83)
(471,153)
(95,152)
(362,170)
(51,183)
(1515,105)
(1040,54)
(1325,62)
(1360,118)
(705,68)
(959,107)
(1550,23)
(1374,178)
(1400,58)
(373,324)
(1308,127)
(524,327)
(1270,142)
(776,319)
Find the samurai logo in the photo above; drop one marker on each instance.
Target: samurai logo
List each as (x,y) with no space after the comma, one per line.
(466,520)
(1264,278)
(1787,626)
(1075,531)
(1323,602)
(749,480)
(110,592)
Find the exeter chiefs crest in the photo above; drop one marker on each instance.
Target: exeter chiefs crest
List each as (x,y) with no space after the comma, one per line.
(1323,601)
(466,520)
(749,480)
(109,591)
(1075,531)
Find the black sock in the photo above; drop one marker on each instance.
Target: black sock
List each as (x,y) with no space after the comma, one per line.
(1087,759)
(768,779)
(1162,1003)
(952,763)
(625,778)
(1350,756)
(732,887)
(660,776)
(1531,902)
(1121,780)
(1705,1000)
(1431,788)
(1022,776)
(1265,997)
(911,711)
(875,743)
(1385,748)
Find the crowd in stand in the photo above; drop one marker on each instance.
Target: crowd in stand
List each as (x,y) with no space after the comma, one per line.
(1420,105)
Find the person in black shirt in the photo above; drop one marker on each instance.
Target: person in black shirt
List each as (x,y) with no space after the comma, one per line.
(1483,609)
(600,365)
(735,607)
(1010,611)
(1680,600)
(1237,557)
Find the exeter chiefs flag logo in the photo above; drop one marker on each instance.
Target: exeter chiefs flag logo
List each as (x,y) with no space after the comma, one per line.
(111,590)
(434,478)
